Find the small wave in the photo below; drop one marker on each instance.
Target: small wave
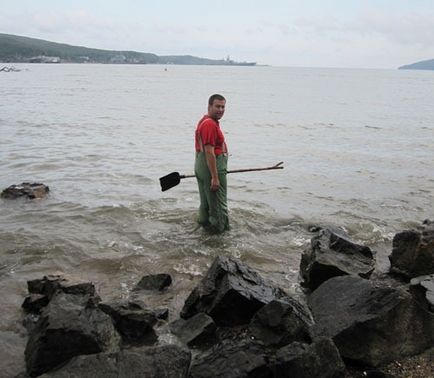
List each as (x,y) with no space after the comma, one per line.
(189,269)
(8,267)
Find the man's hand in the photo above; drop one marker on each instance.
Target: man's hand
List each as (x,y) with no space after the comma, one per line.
(212,166)
(215,184)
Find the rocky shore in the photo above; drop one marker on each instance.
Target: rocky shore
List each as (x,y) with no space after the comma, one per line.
(237,324)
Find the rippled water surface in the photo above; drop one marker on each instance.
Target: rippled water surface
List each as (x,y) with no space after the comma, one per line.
(357,145)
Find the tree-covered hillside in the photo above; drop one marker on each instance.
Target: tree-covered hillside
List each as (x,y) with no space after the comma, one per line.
(423,65)
(14,49)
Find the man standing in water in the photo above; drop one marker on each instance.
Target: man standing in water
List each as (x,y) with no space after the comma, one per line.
(210,167)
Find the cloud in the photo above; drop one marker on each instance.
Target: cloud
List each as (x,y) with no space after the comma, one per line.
(401,28)
(409,29)
(69,26)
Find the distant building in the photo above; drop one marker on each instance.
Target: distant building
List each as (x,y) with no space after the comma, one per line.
(83,59)
(44,59)
(118,59)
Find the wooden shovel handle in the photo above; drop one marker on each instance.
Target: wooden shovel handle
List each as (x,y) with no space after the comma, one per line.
(276,166)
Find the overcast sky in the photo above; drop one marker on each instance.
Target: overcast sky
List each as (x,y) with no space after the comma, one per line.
(311,33)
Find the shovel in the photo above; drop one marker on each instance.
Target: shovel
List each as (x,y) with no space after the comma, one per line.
(174,178)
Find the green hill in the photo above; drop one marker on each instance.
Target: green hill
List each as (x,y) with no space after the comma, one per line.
(423,65)
(15,49)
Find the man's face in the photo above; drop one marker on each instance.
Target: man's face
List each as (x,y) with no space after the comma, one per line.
(217,109)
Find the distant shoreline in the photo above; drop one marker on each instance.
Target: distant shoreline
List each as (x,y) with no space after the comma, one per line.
(427,65)
(19,49)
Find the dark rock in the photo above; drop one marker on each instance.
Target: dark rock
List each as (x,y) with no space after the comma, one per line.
(157,282)
(50,284)
(167,361)
(234,332)
(413,252)
(232,359)
(231,293)
(69,326)
(133,321)
(197,331)
(332,254)
(371,324)
(162,313)
(375,373)
(319,359)
(422,289)
(279,323)
(26,189)
(30,321)
(34,303)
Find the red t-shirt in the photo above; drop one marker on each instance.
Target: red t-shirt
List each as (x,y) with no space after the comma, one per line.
(209,131)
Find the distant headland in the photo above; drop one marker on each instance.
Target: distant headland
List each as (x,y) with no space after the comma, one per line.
(422,65)
(18,49)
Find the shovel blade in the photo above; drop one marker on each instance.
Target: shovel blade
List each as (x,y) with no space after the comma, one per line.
(169,181)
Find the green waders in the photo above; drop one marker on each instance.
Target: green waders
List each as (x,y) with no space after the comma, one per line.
(213,210)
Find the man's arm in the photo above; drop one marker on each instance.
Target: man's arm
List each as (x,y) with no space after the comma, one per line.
(212,166)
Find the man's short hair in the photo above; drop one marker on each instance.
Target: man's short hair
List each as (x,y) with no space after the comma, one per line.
(215,97)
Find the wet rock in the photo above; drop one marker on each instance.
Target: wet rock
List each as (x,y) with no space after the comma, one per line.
(34,303)
(231,293)
(375,373)
(332,254)
(232,359)
(279,323)
(162,313)
(133,321)
(42,290)
(422,289)
(26,189)
(156,282)
(413,252)
(167,361)
(319,359)
(197,331)
(50,284)
(371,324)
(70,325)
(30,322)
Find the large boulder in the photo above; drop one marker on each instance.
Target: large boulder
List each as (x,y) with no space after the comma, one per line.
(231,293)
(154,282)
(34,303)
(167,361)
(413,251)
(331,254)
(133,321)
(422,289)
(26,189)
(232,359)
(50,284)
(320,359)
(245,358)
(371,323)
(280,323)
(42,290)
(197,331)
(70,325)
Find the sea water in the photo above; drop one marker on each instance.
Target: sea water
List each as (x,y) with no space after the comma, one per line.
(357,147)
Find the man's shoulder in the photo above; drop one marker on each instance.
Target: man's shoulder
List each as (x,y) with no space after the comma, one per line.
(207,122)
